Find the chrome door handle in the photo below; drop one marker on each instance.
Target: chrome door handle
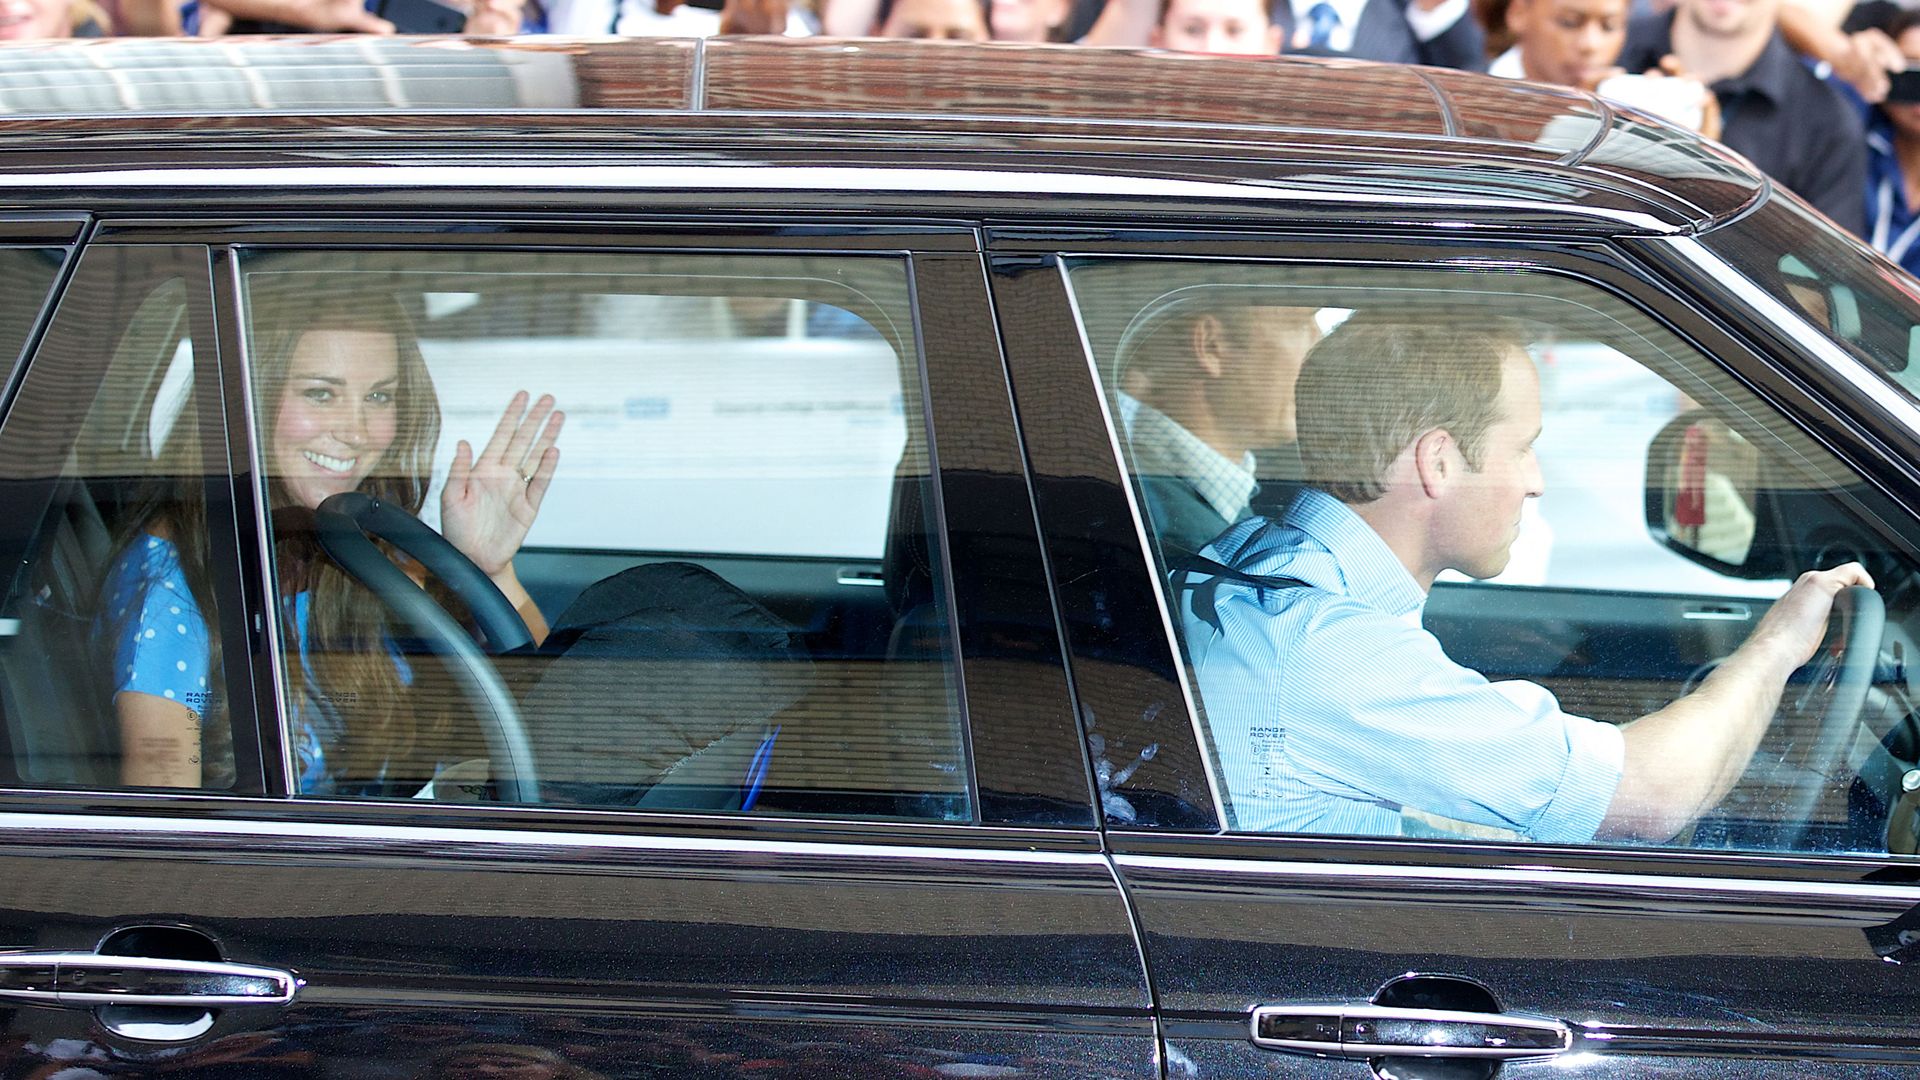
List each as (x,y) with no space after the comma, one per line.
(1379,1031)
(88,980)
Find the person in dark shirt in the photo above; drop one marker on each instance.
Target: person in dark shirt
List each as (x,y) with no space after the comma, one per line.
(1774,110)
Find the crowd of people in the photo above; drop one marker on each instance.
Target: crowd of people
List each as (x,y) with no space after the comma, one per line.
(1814,92)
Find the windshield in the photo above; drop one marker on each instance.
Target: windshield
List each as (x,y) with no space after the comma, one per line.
(1867,304)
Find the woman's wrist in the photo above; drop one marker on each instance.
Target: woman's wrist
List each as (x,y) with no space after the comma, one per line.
(509,585)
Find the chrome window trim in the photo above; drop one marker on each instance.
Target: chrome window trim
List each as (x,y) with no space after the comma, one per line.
(782,178)
(1837,360)
(1222,808)
(1897,898)
(288,836)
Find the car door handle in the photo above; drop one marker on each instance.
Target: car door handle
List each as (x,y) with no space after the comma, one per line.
(89,980)
(1380,1031)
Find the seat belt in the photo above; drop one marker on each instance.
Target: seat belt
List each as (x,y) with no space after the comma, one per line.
(1201,593)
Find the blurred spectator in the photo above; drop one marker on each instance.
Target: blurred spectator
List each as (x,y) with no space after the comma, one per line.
(1225,27)
(1796,128)
(1032,21)
(1569,42)
(1435,32)
(131,18)
(947,20)
(1576,43)
(1893,162)
(39,20)
(1028,20)
(1857,43)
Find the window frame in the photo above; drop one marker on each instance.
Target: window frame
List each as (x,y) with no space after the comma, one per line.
(945,268)
(1158,683)
(188,263)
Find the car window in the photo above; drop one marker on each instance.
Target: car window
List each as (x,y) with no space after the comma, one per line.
(108,488)
(26,275)
(1435,542)
(1864,303)
(632,520)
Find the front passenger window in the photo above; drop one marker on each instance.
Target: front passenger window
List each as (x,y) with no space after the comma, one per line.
(1506,565)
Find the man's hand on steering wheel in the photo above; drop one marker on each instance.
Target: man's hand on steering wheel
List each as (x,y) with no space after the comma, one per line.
(1797,622)
(491,501)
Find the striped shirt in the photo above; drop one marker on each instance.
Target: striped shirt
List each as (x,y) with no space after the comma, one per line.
(1331,709)
(1162,447)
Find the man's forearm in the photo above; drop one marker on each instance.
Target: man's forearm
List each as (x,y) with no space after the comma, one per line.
(1684,758)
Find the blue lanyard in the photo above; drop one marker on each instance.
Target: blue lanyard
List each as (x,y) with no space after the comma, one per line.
(1883,225)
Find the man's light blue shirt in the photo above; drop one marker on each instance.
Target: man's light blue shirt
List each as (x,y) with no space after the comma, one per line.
(1331,708)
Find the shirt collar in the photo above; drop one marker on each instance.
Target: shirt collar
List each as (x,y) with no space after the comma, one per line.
(1772,74)
(1507,65)
(1161,447)
(1369,570)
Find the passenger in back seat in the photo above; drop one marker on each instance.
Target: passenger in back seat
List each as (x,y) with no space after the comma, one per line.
(348,405)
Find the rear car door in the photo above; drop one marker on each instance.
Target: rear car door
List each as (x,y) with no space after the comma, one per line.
(1463,938)
(793,787)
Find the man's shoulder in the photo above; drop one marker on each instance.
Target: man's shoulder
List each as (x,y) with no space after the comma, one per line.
(1781,73)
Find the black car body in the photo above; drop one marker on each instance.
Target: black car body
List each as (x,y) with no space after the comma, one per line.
(1071,899)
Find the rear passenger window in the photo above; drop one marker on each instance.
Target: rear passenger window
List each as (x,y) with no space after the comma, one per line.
(111,671)
(619,531)
(25,276)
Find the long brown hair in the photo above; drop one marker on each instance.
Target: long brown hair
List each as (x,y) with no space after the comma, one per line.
(347,643)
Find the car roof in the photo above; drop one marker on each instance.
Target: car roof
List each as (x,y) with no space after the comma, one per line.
(1234,132)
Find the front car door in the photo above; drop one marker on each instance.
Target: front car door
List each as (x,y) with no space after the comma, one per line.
(1765,939)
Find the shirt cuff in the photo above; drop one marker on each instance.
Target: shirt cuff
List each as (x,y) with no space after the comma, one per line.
(1427,25)
(1596,756)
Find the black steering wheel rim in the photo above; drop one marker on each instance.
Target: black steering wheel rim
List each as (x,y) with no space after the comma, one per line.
(345,526)
(1843,670)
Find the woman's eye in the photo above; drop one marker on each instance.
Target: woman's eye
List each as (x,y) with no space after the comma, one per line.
(319,395)
(381,397)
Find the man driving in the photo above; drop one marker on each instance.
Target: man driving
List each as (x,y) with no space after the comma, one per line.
(1334,711)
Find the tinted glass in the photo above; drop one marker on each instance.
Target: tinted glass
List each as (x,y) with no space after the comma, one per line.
(1869,306)
(1476,553)
(110,668)
(648,499)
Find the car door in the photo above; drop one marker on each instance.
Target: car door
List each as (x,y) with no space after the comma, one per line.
(1442,946)
(879,856)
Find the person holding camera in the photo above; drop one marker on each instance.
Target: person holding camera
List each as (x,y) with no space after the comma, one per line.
(1893,155)
(1773,108)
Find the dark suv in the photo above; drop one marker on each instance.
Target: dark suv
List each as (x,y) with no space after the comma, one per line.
(838,715)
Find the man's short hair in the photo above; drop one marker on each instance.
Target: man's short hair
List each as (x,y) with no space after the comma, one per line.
(1381,380)
(1166,351)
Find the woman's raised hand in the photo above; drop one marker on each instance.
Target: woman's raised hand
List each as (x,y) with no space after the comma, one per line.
(490,501)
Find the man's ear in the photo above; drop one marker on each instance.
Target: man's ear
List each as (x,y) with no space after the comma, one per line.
(1207,338)
(1434,461)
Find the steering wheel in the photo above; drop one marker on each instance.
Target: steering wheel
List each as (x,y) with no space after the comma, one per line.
(1841,672)
(345,524)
